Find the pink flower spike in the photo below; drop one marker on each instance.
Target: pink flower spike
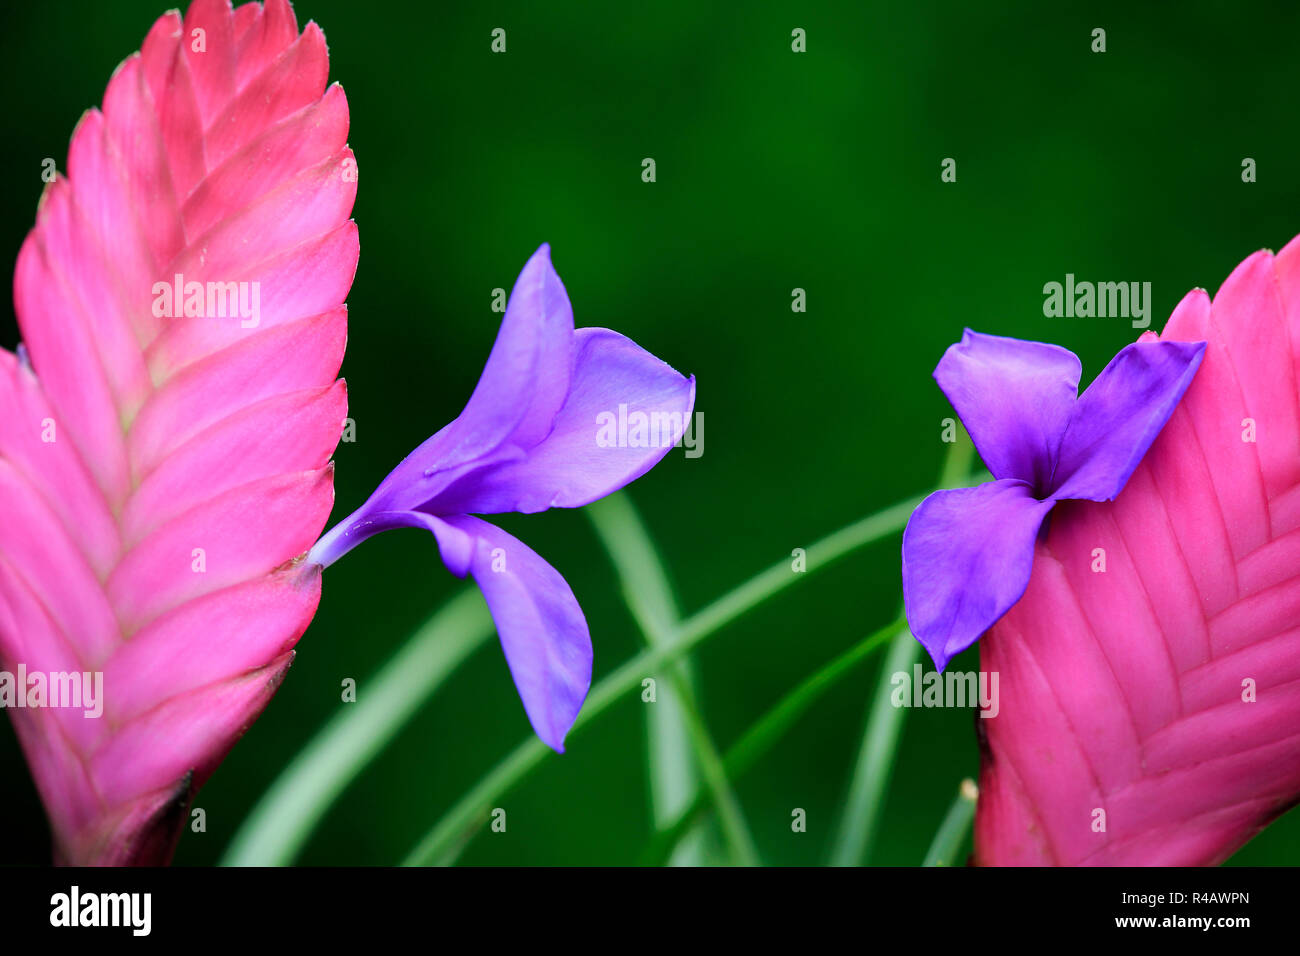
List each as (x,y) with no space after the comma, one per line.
(165,456)
(1149,679)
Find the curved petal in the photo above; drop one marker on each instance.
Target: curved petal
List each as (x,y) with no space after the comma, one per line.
(625,410)
(967,554)
(522,387)
(527,374)
(365,523)
(1015,399)
(543,632)
(1120,414)
(542,629)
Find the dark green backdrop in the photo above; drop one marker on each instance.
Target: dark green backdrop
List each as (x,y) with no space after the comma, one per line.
(775,170)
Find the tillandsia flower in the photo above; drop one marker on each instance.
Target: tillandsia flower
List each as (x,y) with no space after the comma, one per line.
(1150,674)
(968,553)
(164,457)
(538,432)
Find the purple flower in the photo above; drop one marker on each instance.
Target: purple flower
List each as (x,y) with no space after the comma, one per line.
(967,553)
(534,435)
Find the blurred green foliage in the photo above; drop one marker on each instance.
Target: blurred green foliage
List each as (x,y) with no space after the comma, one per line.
(775,170)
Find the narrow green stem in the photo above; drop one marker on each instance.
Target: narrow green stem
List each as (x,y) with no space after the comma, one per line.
(951,834)
(778,577)
(674,723)
(673,776)
(438,843)
(638,563)
(875,763)
(443,844)
(875,758)
(740,843)
(764,733)
(278,826)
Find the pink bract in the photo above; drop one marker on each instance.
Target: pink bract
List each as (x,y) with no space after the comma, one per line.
(1126,694)
(161,473)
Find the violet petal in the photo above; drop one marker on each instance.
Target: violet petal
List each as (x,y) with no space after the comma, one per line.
(624,411)
(542,629)
(967,555)
(1120,414)
(365,522)
(514,404)
(1014,397)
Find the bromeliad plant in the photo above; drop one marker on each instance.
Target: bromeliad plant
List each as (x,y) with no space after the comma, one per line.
(164,464)
(1150,710)
(165,440)
(168,424)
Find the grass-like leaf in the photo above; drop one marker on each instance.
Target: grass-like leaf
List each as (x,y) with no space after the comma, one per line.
(441,844)
(289,811)
(956,824)
(770,728)
(875,763)
(674,723)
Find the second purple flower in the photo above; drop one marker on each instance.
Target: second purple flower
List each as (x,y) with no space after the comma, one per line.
(968,552)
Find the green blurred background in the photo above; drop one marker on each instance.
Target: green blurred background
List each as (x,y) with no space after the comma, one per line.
(775,170)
